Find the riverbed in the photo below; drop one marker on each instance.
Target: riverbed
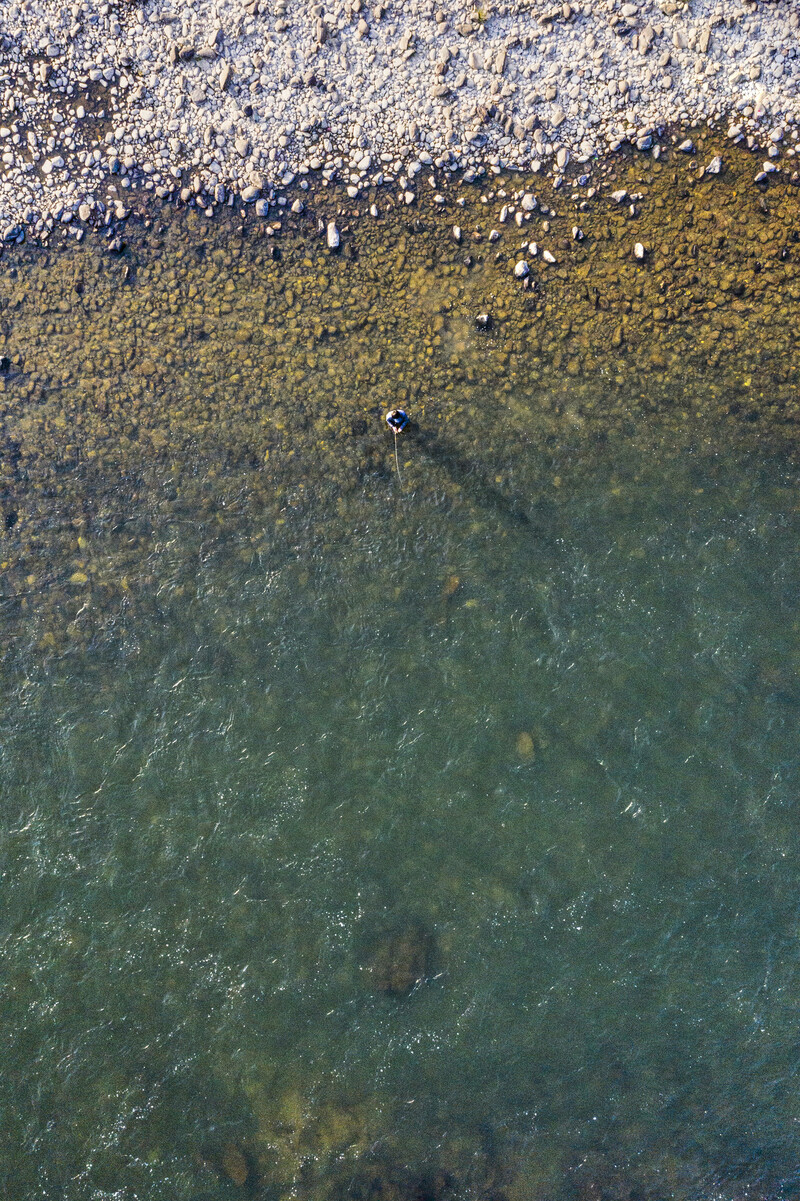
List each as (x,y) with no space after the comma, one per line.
(414,827)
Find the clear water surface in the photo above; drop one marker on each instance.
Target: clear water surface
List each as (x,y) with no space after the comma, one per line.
(553,727)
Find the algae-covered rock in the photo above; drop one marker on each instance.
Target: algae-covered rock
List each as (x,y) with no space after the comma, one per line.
(400,958)
(231,1162)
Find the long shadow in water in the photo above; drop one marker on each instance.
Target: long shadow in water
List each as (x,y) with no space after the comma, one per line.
(475,479)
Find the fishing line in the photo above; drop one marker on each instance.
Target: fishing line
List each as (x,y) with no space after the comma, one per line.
(397,420)
(397,462)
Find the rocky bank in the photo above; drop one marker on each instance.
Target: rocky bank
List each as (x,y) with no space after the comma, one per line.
(239,99)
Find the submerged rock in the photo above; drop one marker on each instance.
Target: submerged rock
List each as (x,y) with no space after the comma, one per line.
(525,745)
(401,958)
(392,1182)
(231,1162)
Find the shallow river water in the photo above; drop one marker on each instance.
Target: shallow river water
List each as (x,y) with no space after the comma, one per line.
(392,838)
(560,749)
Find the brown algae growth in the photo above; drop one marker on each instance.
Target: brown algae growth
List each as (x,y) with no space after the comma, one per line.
(206,360)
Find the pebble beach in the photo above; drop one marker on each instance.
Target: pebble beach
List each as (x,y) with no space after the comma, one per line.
(224,102)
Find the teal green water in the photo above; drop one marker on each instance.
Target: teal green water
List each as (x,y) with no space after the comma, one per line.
(559,732)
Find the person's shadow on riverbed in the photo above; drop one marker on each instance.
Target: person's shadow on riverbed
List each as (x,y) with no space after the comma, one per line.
(478,483)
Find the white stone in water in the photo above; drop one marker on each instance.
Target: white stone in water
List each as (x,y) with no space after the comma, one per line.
(262,208)
(639,251)
(457,232)
(619,196)
(577,234)
(528,202)
(333,236)
(687,146)
(298,206)
(521,270)
(373,210)
(715,166)
(409,197)
(547,256)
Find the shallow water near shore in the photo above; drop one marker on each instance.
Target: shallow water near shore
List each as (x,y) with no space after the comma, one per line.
(416,838)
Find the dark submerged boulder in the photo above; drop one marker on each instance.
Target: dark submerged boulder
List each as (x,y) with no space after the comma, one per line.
(400,958)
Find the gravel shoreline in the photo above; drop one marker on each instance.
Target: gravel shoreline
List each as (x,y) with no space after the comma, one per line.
(229,100)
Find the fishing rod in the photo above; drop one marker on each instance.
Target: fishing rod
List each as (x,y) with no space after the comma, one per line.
(397,420)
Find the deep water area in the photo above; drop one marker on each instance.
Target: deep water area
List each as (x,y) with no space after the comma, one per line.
(405,836)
